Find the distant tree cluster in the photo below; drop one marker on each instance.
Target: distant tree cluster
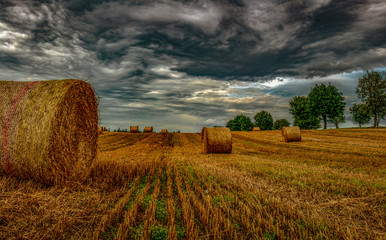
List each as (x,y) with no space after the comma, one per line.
(371,90)
(263,119)
(324,102)
(121,130)
(240,123)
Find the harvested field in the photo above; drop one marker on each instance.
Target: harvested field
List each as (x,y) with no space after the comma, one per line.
(331,185)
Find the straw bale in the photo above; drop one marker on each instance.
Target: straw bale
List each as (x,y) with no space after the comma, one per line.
(134,129)
(255,129)
(49,130)
(291,134)
(148,130)
(164,131)
(101,129)
(216,140)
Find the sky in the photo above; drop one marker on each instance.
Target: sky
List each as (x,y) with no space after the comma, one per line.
(182,65)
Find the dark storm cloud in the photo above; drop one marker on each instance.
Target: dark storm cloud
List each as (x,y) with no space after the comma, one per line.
(192,59)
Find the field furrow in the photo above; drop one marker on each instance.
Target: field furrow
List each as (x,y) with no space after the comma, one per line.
(331,185)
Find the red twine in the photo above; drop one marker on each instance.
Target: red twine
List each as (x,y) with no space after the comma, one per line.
(7,126)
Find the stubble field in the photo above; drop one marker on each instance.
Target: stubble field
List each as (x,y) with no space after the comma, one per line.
(331,185)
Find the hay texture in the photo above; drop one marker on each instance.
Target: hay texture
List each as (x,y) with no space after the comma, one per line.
(216,140)
(164,130)
(148,130)
(291,134)
(134,129)
(49,130)
(256,129)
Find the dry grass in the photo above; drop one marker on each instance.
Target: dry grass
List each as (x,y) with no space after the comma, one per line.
(331,185)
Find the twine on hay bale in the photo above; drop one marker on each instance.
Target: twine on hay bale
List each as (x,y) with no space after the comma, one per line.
(134,129)
(164,130)
(148,130)
(255,129)
(291,134)
(49,130)
(216,140)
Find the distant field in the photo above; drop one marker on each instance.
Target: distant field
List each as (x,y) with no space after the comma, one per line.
(331,185)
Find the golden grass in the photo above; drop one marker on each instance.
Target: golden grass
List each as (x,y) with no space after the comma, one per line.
(331,185)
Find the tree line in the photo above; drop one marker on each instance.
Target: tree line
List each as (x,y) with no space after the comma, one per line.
(325,103)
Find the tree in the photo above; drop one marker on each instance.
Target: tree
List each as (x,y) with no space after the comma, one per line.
(372,91)
(264,120)
(278,124)
(361,113)
(302,113)
(240,123)
(337,119)
(327,102)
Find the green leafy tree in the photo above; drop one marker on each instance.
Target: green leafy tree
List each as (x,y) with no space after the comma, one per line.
(327,102)
(372,91)
(361,113)
(336,120)
(278,124)
(301,110)
(240,123)
(264,120)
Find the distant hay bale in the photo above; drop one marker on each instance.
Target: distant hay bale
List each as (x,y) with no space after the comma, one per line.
(49,130)
(255,129)
(148,130)
(291,134)
(134,129)
(164,131)
(101,129)
(216,140)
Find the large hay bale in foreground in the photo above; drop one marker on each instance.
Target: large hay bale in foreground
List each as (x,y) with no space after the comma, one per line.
(134,129)
(49,130)
(216,140)
(148,130)
(164,130)
(291,134)
(255,129)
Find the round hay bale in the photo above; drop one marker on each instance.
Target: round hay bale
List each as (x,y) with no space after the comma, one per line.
(134,129)
(216,140)
(164,131)
(148,130)
(291,134)
(255,129)
(49,130)
(101,129)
